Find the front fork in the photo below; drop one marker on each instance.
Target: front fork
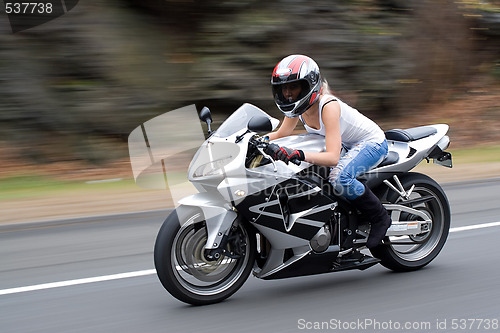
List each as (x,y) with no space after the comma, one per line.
(231,245)
(219,217)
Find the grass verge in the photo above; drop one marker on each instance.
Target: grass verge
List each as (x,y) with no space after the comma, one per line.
(32,185)
(485,154)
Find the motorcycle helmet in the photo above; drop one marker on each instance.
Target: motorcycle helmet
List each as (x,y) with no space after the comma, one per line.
(296,68)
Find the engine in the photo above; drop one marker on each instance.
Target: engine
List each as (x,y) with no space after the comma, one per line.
(321,240)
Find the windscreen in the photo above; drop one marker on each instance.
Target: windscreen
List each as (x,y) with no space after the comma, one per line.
(239,120)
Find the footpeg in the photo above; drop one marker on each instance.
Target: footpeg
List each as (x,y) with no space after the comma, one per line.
(356,260)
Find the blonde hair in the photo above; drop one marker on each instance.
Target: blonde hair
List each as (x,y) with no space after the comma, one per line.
(325,88)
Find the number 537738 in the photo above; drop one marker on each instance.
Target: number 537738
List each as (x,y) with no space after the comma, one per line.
(28,7)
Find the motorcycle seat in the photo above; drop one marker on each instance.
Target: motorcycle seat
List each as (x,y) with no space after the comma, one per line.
(410,134)
(391,158)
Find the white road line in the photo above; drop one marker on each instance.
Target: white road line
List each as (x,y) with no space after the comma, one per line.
(475,226)
(153,271)
(77,282)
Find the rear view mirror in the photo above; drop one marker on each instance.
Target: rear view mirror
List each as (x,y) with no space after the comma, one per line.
(260,124)
(206,116)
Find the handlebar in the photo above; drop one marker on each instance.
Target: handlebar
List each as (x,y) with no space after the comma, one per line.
(261,144)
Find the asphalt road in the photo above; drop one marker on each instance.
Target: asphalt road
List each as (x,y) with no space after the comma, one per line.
(458,291)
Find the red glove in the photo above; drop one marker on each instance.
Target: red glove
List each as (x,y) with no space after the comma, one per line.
(285,154)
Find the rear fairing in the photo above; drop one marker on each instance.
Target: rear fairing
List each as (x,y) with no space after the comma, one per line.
(413,152)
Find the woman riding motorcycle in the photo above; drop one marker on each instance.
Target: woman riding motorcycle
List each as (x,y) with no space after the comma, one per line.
(301,94)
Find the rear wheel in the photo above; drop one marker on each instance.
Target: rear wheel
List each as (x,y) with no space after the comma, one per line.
(185,271)
(421,249)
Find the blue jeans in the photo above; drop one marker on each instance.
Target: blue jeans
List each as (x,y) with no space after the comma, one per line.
(358,160)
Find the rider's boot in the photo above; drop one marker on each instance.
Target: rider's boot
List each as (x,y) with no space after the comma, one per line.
(371,207)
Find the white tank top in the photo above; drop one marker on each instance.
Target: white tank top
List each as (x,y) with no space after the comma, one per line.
(354,126)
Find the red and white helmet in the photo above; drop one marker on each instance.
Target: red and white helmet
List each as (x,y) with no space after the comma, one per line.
(296,68)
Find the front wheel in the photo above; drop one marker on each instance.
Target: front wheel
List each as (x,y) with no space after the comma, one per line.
(185,271)
(419,250)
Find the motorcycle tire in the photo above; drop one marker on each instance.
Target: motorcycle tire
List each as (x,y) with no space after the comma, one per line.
(184,270)
(404,258)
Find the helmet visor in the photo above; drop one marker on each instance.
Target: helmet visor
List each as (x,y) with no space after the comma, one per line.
(290,93)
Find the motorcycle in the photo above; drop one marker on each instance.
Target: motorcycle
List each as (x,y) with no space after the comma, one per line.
(277,220)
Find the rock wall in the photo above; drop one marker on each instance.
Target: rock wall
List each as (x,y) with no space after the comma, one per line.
(73,88)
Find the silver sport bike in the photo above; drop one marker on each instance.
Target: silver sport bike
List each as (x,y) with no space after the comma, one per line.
(254,214)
